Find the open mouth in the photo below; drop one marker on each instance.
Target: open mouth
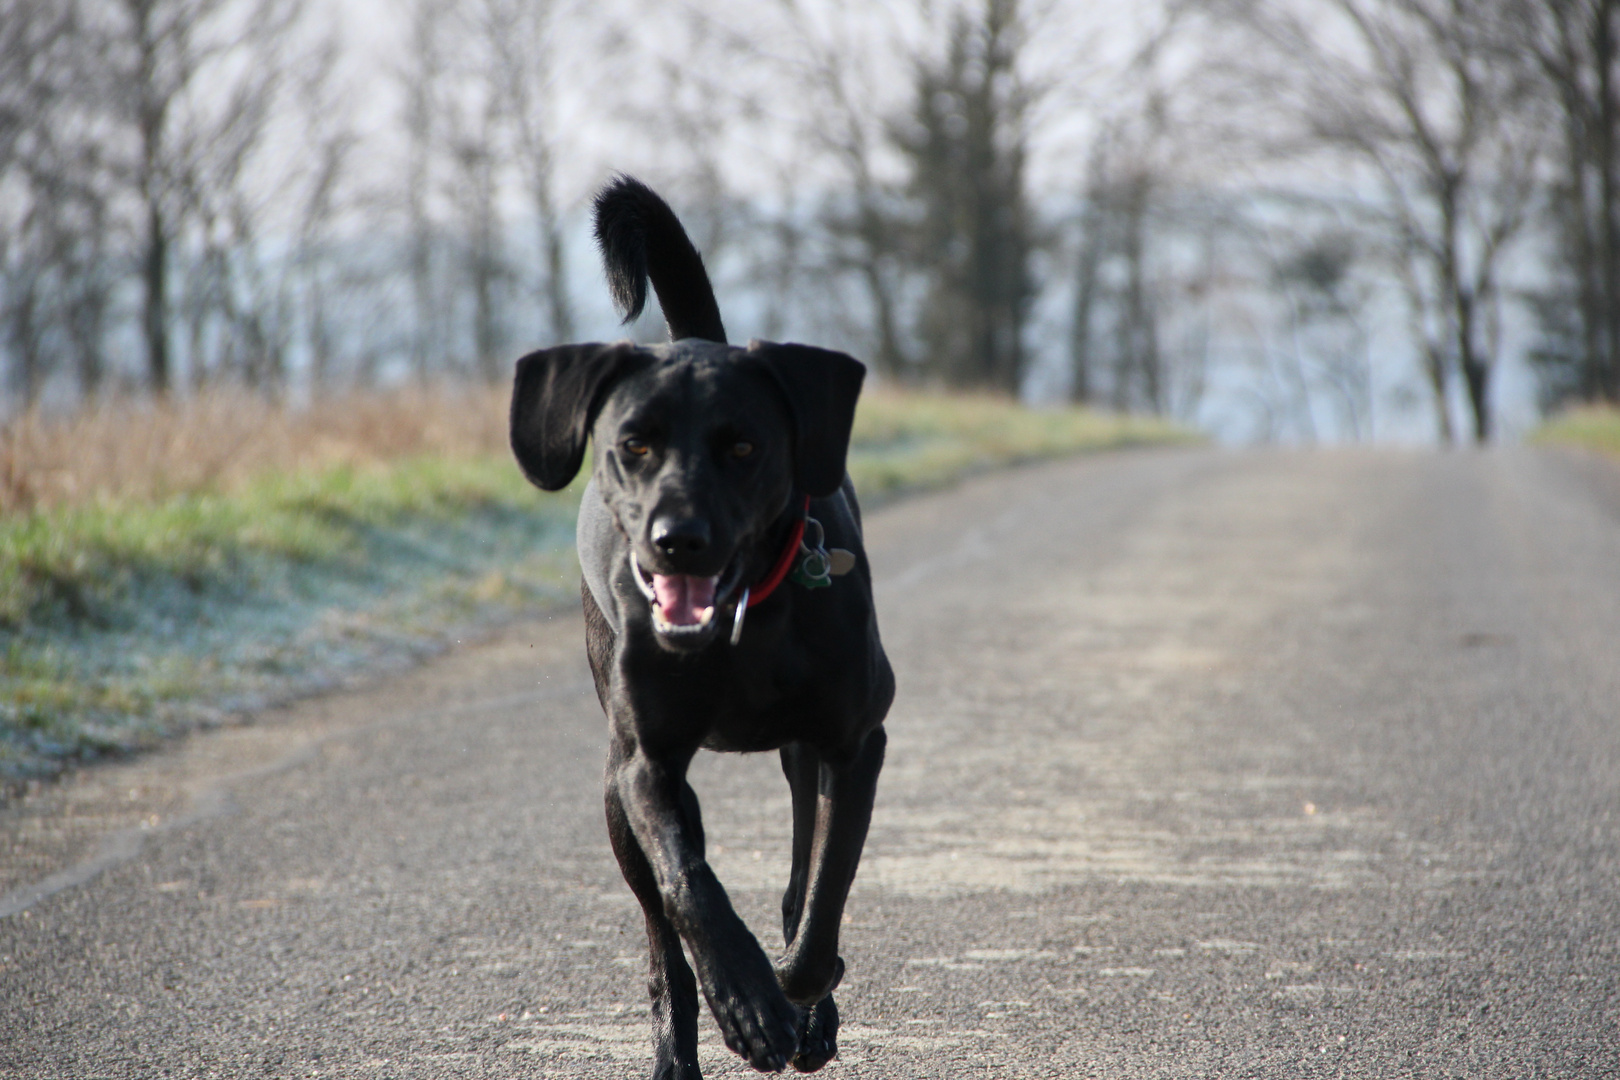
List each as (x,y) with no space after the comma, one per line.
(683,603)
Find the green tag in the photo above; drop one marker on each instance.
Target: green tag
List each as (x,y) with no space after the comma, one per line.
(814,571)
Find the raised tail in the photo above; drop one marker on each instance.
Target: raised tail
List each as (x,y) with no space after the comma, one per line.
(641,237)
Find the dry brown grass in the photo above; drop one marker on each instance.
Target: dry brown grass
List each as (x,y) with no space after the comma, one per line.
(141,452)
(149,451)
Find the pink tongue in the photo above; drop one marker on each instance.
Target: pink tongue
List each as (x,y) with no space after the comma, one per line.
(682,598)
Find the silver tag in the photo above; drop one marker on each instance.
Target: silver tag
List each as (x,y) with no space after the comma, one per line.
(737,618)
(842,561)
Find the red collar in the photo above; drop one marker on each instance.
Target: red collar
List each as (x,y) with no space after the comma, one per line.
(784,562)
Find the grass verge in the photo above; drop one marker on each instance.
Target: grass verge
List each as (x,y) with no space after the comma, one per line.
(120,626)
(1593,427)
(126,620)
(906,442)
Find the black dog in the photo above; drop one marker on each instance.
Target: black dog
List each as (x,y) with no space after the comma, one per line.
(719,472)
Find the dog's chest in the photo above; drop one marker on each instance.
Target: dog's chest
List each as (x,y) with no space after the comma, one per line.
(754,725)
(741,703)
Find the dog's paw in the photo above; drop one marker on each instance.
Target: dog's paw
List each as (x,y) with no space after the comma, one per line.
(756,1019)
(804,983)
(669,1067)
(818,1036)
(675,1056)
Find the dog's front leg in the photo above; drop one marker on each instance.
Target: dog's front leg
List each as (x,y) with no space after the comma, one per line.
(669,980)
(844,793)
(755,1018)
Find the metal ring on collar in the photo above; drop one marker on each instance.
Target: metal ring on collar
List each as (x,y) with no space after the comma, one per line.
(816,565)
(642,583)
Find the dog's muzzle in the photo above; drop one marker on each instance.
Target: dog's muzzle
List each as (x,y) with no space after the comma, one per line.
(682,605)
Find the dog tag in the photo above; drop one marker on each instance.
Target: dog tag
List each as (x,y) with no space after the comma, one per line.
(842,561)
(813,571)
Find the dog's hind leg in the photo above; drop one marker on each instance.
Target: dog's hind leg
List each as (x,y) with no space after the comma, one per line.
(844,795)
(802,767)
(669,979)
(818,1023)
(598,643)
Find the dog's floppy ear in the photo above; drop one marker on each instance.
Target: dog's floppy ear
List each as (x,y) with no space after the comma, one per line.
(555,398)
(821,387)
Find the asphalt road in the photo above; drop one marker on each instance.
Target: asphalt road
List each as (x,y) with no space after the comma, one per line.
(1203,764)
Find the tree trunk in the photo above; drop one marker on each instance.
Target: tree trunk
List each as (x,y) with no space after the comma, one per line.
(1459,305)
(155,309)
(1434,366)
(25,337)
(877,241)
(320,339)
(562,313)
(1476,368)
(88,340)
(1608,119)
(485,332)
(422,132)
(1582,231)
(1141,360)
(1085,294)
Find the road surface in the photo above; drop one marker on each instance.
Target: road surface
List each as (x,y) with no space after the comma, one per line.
(1203,763)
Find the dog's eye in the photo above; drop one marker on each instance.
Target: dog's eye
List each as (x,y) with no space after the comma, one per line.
(742,449)
(638,447)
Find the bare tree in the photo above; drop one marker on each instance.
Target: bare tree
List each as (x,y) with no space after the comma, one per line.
(1574,46)
(196,83)
(1324,303)
(524,58)
(330,140)
(1113,324)
(1114,341)
(1146,252)
(55,279)
(474,187)
(271,212)
(967,144)
(861,223)
(1419,94)
(161,60)
(478,80)
(420,75)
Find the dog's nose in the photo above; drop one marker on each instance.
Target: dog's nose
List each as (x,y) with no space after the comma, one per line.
(676,537)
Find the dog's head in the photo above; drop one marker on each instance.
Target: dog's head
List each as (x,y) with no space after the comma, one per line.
(699,448)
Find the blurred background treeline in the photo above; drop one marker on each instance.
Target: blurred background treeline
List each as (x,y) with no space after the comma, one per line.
(1280,220)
